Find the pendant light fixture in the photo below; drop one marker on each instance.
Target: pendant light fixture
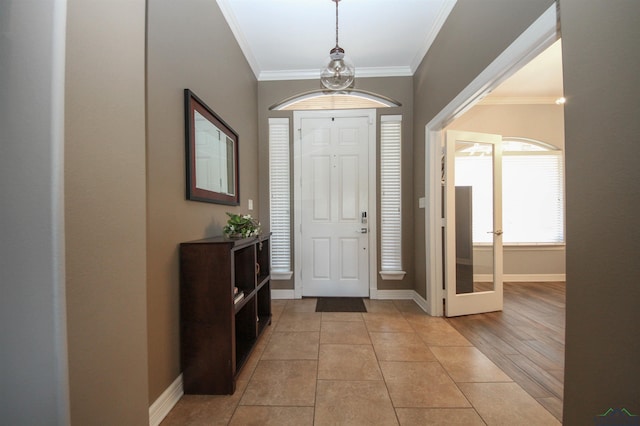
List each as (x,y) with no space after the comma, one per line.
(339,72)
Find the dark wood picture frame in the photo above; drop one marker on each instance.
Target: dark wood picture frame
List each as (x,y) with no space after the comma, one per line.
(211,154)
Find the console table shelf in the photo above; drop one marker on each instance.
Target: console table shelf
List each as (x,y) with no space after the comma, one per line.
(218,335)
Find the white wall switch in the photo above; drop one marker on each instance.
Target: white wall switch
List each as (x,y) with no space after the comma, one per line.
(250,205)
(421,202)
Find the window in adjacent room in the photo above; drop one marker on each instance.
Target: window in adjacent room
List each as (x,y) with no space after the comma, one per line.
(532,192)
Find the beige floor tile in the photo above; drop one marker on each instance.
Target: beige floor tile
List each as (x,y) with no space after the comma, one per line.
(421,318)
(275,316)
(301,305)
(421,384)
(553,405)
(468,364)
(272,416)
(348,362)
(196,410)
(438,417)
(277,306)
(342,316)
(439,333)
(278,303)
(380,306)
(353,404)
(387,323)
(354,333)
(292,345)
(408,306)
(299,321)
(282,383)
(250,365)
(506,404)
(292,314)
(400,347)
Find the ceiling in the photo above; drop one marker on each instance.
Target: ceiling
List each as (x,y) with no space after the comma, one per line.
(291,39)
(540,81)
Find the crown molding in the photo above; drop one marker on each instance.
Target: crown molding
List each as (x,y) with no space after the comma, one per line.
(315,73)
(519,100)
(227,12)
(441,18)
(399,71)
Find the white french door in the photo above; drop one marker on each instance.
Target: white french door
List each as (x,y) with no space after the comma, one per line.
(333,205)
(473,214)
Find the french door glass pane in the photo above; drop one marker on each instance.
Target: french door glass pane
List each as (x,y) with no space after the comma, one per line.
(474,217)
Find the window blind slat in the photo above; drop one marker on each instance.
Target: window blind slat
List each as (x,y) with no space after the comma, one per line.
(280,197)
(390,193)
(532,194)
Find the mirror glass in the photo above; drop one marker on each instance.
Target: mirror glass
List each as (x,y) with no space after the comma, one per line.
(474,217)
(214,157)
(211,155)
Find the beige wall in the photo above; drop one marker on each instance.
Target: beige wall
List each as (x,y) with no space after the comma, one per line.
(398,88)
(544,123)
(105,198)
(105,212)
(189,45)
(474,34)
(601,62)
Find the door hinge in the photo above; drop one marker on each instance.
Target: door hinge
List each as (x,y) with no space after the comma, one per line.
(443,223)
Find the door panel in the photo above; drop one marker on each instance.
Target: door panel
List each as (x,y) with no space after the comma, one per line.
(348,187)
(321,189)
(334,183)
(473,210)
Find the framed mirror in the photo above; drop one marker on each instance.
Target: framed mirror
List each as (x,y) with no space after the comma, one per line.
(211,154)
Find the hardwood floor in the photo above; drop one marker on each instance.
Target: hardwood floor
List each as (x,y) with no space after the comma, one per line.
(526,339)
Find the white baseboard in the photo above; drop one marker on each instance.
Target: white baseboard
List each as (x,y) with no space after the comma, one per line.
(401,295)
(165,402)
(394,294)
(420,301)
(283,294)
(521,278)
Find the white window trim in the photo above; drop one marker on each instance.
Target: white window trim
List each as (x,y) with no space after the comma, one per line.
(391,176)
(279,165)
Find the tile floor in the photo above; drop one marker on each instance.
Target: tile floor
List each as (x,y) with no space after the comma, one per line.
(393,365)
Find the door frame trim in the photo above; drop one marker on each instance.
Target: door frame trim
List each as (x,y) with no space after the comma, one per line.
(370,114)
(540,35)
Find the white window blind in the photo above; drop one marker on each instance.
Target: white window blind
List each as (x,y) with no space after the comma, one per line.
(532,193)
(390,193)
(533,208)
(279,185)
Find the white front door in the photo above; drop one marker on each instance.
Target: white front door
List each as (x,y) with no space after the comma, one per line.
(473,217)
(334,205)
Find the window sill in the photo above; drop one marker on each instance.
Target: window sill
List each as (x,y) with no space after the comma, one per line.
(281,276)
(522,247)
(392,275)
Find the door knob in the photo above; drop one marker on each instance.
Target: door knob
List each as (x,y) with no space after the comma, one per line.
(363,230)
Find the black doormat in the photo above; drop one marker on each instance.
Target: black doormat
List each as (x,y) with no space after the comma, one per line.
(340,304)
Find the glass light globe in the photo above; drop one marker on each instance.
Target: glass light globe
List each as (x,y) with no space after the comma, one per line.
(339,72)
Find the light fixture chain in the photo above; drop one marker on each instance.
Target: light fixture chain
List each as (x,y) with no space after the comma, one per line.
(340,72)
(337,1)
